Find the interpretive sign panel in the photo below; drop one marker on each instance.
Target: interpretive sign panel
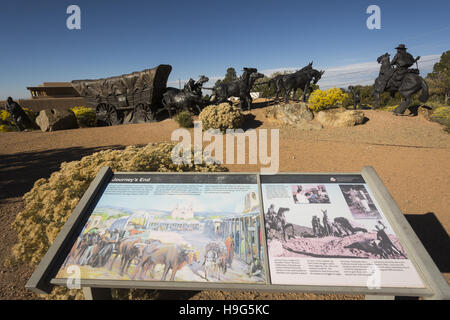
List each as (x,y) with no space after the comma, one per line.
(160,227)
(330,230)
(322,233)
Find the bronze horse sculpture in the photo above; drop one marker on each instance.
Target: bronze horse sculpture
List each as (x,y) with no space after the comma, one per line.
(189,97)
(410,84)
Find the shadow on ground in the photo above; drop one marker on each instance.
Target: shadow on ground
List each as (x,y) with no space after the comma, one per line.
(434,238)
(251,122)
(19,171)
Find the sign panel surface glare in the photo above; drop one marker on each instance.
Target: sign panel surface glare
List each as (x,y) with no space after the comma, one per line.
(149,227)
(331,231)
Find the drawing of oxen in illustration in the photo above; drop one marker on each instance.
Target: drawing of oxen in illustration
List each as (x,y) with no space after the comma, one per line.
(128,251)
(173,257)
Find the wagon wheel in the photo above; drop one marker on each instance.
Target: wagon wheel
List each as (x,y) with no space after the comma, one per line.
(107,114)
(143,113)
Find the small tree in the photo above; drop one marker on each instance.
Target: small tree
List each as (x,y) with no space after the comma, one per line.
(439,79)
(230,76)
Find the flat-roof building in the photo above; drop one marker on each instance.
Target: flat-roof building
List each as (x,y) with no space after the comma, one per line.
(53,90)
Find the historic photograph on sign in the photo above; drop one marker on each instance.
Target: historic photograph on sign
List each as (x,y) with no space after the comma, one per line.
(309,193)
(359,201)
(325,243)
(173,232)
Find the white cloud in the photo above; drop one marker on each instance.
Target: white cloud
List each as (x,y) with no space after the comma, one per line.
(361,73)
(341,76)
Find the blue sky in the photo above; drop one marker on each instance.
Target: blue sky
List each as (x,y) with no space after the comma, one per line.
(207,37)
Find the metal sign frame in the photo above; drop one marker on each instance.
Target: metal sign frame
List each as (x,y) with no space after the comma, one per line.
(42,279)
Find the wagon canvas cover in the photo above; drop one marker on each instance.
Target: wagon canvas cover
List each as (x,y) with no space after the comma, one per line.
(126,90)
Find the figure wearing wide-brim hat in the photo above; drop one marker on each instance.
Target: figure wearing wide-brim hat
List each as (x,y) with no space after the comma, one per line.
(403,59)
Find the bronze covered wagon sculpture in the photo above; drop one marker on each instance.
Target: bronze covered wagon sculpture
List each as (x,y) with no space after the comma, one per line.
(130,98)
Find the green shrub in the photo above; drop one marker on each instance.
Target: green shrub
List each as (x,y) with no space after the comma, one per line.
(85,116)
(222,117)
(184,119)
(388,108)
(30,114)
(7,128)
(442,115)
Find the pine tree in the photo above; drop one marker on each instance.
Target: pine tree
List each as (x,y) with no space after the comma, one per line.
(439,79)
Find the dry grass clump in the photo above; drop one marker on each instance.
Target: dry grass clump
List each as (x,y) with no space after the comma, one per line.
(49,203)
(222,117)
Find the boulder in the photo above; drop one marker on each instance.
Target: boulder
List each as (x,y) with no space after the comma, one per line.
(54,119)
(294,114)
(425,112)
(340,118)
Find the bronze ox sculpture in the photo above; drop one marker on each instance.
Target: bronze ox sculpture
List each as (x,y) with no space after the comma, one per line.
(297,80)
(239,88)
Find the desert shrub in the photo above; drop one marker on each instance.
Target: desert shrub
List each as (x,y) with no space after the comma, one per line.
(184,119)
(347,101)
(325,99)
(442,115)
(49,203)
(6,123)
(85,116)
(222,117)
(7,128)
(30,114)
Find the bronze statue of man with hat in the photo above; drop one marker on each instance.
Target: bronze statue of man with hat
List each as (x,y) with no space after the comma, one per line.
(402,61)
(400,65)
(396,76)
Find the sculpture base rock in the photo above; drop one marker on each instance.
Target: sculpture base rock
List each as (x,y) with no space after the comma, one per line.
(340,118)
(53,119)
(294,114)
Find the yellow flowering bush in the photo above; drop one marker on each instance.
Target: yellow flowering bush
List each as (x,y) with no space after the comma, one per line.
(5,116)
(222,117)
(325,99)
(85,116)
(6,123)
(50,202)
(6,128)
